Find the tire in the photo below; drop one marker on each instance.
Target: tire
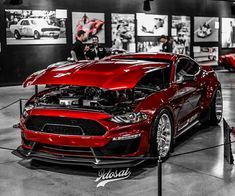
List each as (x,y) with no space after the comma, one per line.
(56,36)
(230,69)
(155,140)
(36,35)
(216,108)
(17,34)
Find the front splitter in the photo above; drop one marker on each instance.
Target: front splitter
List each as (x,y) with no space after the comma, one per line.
(114,162)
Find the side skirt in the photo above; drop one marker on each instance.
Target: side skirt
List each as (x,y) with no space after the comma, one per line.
(187,128)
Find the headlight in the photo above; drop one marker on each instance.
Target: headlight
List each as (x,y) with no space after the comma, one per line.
(27,109)
(129,118)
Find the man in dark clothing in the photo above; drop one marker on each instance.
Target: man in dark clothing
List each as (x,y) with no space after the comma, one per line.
(78,49)
(167,45)
(96,51)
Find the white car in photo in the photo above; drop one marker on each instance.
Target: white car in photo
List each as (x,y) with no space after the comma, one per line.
(35,28)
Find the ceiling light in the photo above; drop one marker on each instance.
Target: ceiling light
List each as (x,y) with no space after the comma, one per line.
(147,5)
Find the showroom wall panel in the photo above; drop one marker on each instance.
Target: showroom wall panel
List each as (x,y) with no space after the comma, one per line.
(17,62)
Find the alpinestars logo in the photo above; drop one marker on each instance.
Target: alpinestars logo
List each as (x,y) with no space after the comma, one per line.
(111,176)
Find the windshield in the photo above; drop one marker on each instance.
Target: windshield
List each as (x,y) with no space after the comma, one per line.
(158,60)
(156,80)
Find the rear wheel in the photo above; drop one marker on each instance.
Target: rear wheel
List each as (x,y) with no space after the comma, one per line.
(162,135)
(56,36)
(17,34)
(230,69)
(217,108)
(36,35)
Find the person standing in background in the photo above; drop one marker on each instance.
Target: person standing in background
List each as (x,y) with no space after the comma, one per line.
(95,51)
(167,44)
(230,39)
(78,50)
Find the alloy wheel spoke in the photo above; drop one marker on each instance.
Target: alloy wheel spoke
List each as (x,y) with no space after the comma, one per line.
(164,134)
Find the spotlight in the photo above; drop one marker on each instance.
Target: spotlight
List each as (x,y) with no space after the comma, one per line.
(16,2)
(13,2)
(147,5)
(233,8)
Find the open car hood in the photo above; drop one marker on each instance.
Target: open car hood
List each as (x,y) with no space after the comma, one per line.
(112,74)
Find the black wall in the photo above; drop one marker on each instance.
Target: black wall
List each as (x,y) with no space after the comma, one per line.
(17,62)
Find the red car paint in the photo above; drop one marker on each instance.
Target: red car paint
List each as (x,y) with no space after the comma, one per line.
(105,74)
(228,61)
(233,131)
(186,102)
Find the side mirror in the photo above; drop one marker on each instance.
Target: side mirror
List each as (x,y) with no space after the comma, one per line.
(185,78)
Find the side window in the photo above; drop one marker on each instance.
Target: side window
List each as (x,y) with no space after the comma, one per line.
(25,22)
(158,79)
(186,67)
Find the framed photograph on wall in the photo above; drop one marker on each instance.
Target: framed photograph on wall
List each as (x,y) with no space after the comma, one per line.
(206,29)
(228,33)
(149,44)
(123,32)
(30,27)
(206,55)
(181,33)
(151,25)
(91,23)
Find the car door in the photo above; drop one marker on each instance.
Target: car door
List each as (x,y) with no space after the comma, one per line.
(21,27)
(189,92)
(24,27)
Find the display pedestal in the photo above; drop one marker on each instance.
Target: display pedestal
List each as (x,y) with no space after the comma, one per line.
(159,176)
(228,155)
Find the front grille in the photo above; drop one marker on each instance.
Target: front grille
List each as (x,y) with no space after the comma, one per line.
(65,126)
(50,29)
(65,150)
(62,129)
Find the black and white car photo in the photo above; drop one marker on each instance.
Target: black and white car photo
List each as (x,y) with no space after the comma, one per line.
(34,27)
(206,29)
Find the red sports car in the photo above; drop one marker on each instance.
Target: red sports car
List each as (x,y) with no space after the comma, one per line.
(116,111)
(91,27)
(228,61)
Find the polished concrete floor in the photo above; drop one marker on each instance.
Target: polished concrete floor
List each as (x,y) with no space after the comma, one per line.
(204,173)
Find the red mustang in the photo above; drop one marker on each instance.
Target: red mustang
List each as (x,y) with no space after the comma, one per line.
(117,110)
(228,61)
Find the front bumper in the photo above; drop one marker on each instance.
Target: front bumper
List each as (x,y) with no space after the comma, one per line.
(116,146)
(114,162)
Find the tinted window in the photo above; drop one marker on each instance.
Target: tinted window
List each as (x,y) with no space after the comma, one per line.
(157,80)
(186,67)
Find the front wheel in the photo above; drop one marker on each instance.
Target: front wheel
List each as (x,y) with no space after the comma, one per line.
(17,34)
(162,135)
(217,108)
(36,35)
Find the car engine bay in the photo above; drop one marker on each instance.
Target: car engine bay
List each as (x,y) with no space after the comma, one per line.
(92,98)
